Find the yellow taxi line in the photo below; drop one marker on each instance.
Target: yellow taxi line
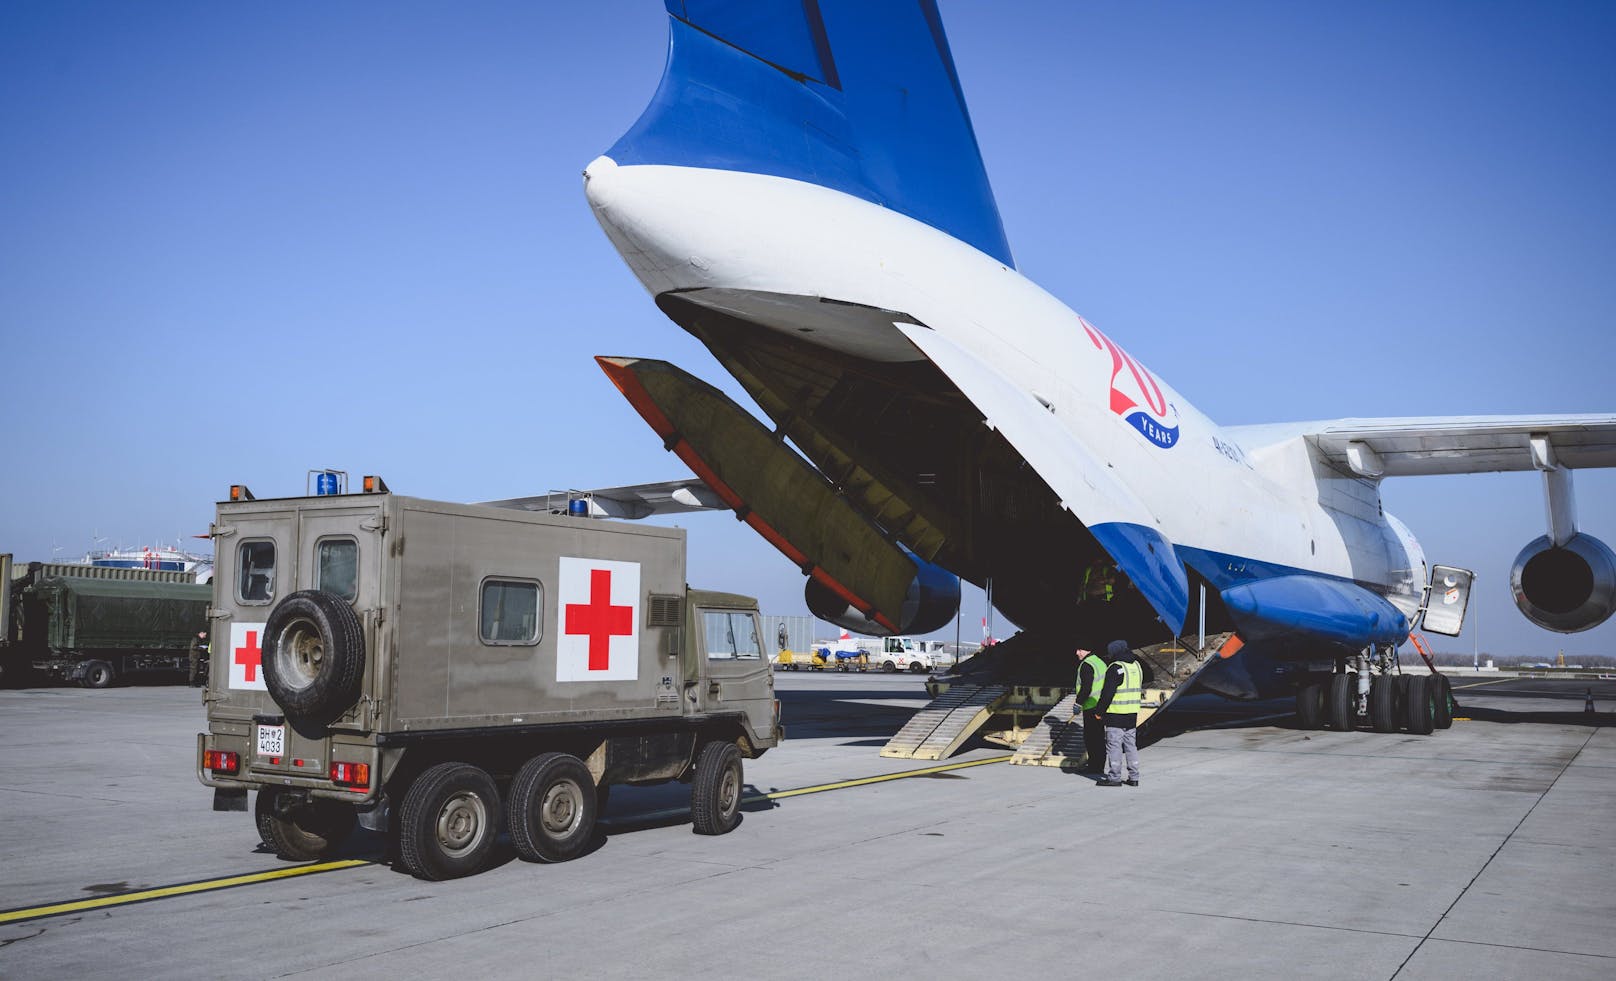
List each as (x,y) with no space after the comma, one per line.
(208,885)
(1478,684)
(165,892)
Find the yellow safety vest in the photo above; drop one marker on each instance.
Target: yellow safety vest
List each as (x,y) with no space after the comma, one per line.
(1126,700)
(1089,699)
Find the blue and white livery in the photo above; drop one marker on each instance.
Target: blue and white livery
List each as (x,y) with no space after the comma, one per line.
(805,195)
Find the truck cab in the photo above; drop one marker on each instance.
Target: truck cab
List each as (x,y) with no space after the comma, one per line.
(438,669)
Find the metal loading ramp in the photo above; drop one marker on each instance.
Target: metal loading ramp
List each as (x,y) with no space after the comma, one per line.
(939,729)
(1058,739)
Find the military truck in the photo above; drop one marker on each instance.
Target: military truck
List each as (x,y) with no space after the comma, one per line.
(437,670)
(94,625)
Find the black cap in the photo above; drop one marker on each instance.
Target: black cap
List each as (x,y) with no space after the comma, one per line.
(1116,649)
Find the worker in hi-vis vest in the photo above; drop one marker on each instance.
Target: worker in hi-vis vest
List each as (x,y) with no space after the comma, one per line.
(1090,679)
(1100,581)
(1120,698)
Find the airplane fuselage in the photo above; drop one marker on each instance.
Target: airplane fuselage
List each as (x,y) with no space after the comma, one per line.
(823,268)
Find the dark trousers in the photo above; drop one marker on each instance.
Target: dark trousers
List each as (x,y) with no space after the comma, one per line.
(1094,740)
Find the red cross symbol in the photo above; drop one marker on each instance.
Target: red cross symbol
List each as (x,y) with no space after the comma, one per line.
(599,619)
(250,657)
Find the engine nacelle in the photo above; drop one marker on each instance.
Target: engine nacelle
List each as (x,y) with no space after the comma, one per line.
(1565,588)
(932,600)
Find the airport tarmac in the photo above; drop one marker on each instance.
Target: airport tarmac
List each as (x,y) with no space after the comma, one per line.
(1251,850)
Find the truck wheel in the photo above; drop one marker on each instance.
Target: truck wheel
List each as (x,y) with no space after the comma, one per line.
(715,793)
(448,821)
(313,656)
(552,808)
(305,831)
(889,667)
(99,674)
(916,667)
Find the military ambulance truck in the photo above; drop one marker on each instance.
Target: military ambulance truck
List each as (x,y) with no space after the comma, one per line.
(440,670)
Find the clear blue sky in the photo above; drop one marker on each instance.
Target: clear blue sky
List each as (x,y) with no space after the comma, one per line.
(238,241)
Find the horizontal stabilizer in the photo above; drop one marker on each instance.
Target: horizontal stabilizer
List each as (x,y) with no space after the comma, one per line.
(633,502)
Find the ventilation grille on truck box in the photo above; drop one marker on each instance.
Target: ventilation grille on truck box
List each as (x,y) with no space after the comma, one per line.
(664,611)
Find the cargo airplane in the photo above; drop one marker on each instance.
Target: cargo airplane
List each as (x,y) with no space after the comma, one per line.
(805,195)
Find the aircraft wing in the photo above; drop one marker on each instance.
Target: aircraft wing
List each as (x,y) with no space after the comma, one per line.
(1089,489)
(634,501)
(1409,447)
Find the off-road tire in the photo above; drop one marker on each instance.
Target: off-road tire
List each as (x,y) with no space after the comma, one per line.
(99,674)
(552,808)
(1442,695)
(308,831)
(1418,713)
(715,792)
(448,821)
(1310,704)
(1342,701)
(313,656)
(1383,703)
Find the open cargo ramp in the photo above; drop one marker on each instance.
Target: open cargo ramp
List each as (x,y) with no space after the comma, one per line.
(1057,740)
(943,726)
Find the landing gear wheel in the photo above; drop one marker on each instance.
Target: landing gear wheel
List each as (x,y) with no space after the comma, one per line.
(313,656)
(1310,704)
(552,808)
(1383,703)
(1442,695)
(305,831)
(715,793)
(448,821)
(1419,714)
(1343,701)
(99,674)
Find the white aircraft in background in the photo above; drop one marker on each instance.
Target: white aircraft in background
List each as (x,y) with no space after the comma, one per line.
(804,194)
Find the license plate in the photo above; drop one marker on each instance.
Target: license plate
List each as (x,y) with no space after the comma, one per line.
(271,740)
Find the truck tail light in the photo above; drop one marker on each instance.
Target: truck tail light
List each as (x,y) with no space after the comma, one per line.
(356,775)
(221,761)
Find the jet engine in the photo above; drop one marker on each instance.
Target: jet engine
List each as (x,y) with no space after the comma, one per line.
(1568,587)
(932,600)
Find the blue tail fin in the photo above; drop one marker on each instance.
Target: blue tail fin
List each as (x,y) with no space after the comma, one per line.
(854,95)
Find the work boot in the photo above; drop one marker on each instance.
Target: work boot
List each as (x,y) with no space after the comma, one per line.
(1108,782)
(1132,783)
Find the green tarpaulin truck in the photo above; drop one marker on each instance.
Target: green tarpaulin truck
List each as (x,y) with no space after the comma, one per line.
(96,625)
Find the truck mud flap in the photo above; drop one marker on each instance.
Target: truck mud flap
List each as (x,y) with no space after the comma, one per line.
(229,798)
(769,486)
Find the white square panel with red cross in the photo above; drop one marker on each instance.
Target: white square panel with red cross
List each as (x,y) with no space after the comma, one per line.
(247,656)
(599,621)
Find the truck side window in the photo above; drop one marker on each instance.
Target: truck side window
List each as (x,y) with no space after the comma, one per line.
(510,612)
(256,580)
(337,567)
(730,636)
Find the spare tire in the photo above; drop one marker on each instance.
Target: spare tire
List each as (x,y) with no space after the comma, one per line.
(313,656)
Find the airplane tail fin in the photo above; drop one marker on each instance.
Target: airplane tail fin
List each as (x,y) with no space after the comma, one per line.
(856,96)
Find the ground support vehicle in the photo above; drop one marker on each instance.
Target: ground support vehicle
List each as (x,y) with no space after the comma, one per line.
(898,654)
(94,625)
(440,670)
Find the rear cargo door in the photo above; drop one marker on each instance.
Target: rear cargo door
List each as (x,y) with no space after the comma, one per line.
(739,675)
